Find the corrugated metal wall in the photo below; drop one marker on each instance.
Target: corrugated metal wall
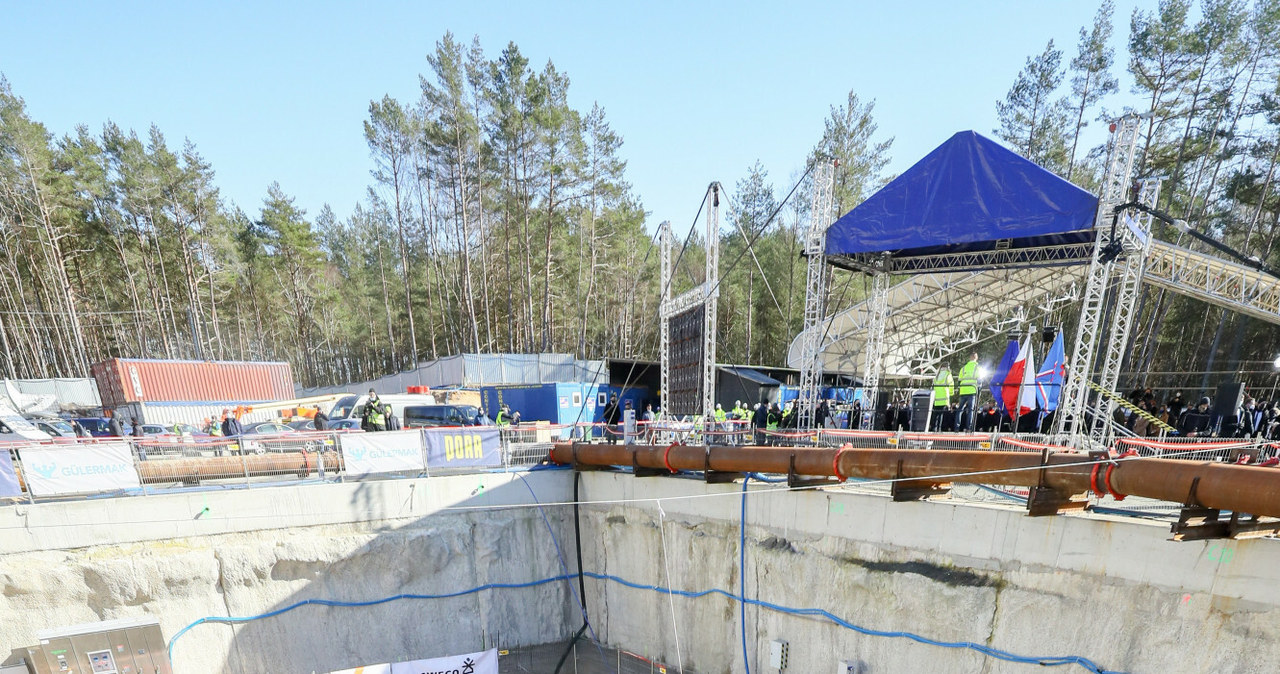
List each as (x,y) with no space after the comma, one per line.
(472,369)
(187,412)
(122,381)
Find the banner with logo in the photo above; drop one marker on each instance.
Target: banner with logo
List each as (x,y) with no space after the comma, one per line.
(467,447)
(83,468)
(484,662)
(8,478)
(386,452)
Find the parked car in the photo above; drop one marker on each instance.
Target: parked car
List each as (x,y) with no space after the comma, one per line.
(352,406)
(13,428)
(432,416)
(58,428)
(267,428)
(151,430)
(304,425)
(344,424)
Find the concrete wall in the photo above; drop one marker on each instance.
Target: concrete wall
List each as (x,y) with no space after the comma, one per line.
(253,551)
(1114,590)
(1110,589)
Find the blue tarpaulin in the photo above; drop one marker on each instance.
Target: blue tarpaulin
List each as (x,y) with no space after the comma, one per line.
(966,195)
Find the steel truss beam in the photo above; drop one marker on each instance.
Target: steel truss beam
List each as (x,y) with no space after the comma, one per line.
(665,244)
(1066,254)
(1214,280)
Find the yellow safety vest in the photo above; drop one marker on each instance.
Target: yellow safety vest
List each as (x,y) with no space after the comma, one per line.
(942,385)
(969,378)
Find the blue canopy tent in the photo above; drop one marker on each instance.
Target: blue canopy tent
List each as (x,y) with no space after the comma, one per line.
(971,203)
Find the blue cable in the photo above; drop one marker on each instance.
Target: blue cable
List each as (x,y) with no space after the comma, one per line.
(1046,661)
(742,570)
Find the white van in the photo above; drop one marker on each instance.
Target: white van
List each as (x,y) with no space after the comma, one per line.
(352,406)
(13,428)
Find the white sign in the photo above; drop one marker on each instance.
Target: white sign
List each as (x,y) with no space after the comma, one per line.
(83,468)
(484,662)
(385,452)
(367,669)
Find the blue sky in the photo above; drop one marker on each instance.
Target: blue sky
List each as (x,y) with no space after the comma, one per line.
(699,91)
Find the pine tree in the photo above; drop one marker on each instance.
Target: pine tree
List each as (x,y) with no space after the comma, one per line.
(1031,118)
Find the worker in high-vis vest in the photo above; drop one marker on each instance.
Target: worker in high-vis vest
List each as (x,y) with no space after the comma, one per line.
(967,387)
(942,385)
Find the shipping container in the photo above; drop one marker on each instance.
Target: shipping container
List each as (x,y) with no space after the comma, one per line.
(128,380)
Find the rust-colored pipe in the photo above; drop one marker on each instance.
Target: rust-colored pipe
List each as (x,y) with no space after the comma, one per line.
(194,469)
(1246,489)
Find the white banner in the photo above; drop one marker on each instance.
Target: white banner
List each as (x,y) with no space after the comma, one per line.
(384,452)
(484,662)
(83,468)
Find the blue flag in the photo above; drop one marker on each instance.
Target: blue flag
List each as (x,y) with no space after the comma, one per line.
(1050,375)
(1002,371)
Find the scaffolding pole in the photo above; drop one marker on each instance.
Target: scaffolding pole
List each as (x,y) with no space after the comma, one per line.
(712,294)
(815,291)
(877,307)
(665,243)
(1115,183)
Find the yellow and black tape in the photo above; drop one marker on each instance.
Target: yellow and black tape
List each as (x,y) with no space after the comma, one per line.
(1120,400)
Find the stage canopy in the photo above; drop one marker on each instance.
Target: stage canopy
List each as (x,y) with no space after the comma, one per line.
(971,203)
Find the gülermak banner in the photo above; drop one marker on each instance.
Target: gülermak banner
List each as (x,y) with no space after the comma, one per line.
(389,452)
(83,468)
(484,662)
(470,446)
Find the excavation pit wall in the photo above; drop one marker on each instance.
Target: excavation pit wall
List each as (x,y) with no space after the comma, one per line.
(181,557)
(1114,590)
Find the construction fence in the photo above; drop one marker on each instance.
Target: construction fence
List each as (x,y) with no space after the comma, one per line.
(93,467)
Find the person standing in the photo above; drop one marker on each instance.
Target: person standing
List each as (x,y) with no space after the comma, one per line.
(114,429)
(968,390)
(321,420)
(393,422)
(611,415)
(942,385)
(760,419)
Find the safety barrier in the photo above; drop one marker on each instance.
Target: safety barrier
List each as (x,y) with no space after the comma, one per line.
(138,466)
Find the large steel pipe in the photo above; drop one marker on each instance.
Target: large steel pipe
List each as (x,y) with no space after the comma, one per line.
(194,469)
(1245,489)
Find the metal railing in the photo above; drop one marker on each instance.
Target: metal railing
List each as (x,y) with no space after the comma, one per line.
(142,466)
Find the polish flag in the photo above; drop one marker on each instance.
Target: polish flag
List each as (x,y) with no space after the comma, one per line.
(1021,380)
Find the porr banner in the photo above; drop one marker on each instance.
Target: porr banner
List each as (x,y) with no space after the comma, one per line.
(386,452)
(466,447)
(106,466)
(484,662)
(8,478)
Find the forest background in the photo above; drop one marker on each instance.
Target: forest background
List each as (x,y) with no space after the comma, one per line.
(499,218)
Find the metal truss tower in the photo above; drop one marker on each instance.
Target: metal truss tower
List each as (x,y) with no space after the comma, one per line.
(815,290)
(1115,185)
(878,307)
(665,243)
(1136,237)
(711,298)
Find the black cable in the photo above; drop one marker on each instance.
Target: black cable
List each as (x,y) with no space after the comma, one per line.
(582,588)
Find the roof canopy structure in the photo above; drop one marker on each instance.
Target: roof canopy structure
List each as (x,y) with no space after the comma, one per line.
(969,204)
(931,316)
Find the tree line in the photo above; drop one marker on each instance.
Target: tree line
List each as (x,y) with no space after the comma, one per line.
(1206,76)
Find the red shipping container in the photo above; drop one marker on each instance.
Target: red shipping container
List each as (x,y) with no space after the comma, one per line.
(126,380)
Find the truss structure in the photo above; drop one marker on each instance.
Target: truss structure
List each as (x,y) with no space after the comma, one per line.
(704,297)
(1214,280)
(1115,184)
(1136,239)
(1058,255)
(929,317)
(815,294)
(665,243)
